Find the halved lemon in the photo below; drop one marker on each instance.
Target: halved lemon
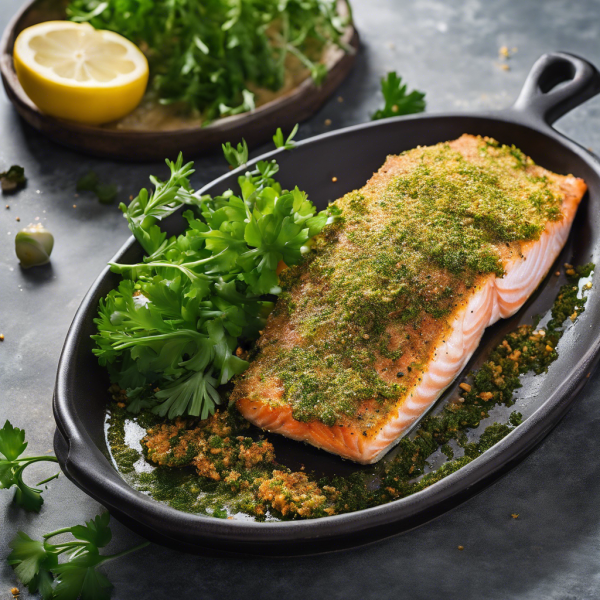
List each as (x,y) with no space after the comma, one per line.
(73,71)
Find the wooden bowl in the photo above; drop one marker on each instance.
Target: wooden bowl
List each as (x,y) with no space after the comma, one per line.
(256,126)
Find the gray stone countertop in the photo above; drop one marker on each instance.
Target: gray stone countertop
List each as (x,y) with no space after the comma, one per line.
(552,551)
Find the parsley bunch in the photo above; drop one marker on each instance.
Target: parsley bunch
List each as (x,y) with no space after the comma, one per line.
(169,333)
(205,53)
(12,465)
(36,562)
(397,100)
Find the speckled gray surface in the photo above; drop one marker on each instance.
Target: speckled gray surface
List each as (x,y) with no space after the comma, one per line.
(450,50)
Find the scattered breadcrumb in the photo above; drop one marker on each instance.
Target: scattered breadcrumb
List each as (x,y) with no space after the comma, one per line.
(1,337)
(461,547)
(515,515)
(505,53)
(327,122)
(334,179)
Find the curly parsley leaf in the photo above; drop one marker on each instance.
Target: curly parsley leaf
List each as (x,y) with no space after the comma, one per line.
(169,334)
(397,100)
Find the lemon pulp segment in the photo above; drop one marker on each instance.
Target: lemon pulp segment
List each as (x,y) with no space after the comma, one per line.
(73,71)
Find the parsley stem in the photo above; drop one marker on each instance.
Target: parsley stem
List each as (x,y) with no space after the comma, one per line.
(32,459)
(300,56)
(128,551)
(162,336)
(55,476)
(57,532)
(60,548)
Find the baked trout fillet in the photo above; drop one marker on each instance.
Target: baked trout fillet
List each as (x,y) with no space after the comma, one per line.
(393,299)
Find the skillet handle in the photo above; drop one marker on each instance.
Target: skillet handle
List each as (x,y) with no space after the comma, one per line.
(540,101)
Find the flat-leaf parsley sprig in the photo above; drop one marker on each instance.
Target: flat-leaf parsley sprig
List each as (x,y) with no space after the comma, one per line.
(397,100)
(12,466)
(170,333)
(36,562)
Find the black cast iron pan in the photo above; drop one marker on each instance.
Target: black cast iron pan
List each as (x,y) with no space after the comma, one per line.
(557,83)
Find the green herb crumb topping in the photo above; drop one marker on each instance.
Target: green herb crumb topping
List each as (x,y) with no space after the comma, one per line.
(377,293)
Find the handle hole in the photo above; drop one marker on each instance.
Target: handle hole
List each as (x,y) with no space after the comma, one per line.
(556,76)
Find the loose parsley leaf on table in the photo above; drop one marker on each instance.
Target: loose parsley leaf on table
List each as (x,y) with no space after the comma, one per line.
(12,445)
(12,179)
(36,562)
(169,333)
(12,441)
(105,192)
(397,101)
(88,182)
(33,563)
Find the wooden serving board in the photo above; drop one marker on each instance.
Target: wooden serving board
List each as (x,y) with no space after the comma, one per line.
(140,145)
